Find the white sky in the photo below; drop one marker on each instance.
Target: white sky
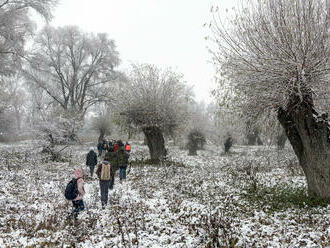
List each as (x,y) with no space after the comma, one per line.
(168,33)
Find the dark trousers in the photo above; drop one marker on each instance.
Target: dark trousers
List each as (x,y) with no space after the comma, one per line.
(78,206)
(122,172)
(91,168)
(104,187)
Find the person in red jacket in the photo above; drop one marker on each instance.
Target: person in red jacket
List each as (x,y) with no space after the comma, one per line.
(115,146)
(127,147)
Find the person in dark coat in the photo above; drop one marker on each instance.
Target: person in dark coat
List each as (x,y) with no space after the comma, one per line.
(91,160)
(122,160)
(99,147)
(115,146)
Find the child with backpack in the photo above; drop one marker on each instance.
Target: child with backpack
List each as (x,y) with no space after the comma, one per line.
(75,192)
(104,172)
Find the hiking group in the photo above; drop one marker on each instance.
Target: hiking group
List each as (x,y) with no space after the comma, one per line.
(113,155)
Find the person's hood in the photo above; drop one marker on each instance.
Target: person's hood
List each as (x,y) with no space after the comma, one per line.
(78,173)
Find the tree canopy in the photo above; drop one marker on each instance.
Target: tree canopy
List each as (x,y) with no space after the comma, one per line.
(73,67)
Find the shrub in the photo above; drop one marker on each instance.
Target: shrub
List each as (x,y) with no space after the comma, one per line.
(281,197)
(196,140)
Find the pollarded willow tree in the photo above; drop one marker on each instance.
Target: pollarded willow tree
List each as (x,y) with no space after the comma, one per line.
(276,53)
(156,101)
(73,68)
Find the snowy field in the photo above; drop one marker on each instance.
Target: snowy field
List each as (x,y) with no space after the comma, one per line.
(253,197)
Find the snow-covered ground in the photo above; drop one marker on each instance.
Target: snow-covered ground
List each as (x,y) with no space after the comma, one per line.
(192,201)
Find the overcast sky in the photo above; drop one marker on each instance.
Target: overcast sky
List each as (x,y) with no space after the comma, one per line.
(168,33)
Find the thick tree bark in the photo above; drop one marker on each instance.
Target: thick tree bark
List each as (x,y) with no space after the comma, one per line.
(192,147)
(145,141)
(308,134)
(155,142)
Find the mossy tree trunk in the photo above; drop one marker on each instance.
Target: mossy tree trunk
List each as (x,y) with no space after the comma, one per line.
(155,142)
(308,133)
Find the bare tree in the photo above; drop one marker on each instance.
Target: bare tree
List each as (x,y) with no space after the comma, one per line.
(74,68)
(15,27)
(16,98)
(154,100)
(276,54)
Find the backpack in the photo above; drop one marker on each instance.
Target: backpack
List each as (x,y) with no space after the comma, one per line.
(71,190)
(105,172)
(128,147)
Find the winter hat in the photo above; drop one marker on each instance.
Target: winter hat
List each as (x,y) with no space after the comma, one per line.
(120,143)
(91,148)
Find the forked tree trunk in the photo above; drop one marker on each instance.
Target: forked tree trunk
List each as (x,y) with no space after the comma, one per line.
(155,142)
(308,134)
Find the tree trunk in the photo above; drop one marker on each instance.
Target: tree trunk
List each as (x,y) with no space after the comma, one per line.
(192,147)
(155,142)
(145,141)
(308,134)
(281,139)
(101,136)
(251,139)
(18,119)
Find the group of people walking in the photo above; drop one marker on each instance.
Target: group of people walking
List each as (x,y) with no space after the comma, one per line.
(103,146)
(113,156)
